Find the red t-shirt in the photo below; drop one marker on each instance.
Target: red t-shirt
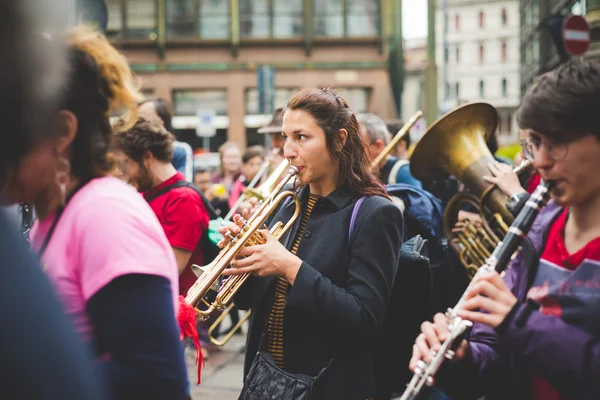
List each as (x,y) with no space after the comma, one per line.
(184,219)
(568,287)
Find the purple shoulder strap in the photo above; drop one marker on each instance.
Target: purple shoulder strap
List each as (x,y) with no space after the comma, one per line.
(353,218)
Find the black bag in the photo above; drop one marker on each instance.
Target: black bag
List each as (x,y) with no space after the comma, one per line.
(209,249)
(265,380)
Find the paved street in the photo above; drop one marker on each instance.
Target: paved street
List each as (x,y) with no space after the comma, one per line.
(222,372)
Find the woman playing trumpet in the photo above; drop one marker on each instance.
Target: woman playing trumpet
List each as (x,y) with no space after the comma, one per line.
(322,295)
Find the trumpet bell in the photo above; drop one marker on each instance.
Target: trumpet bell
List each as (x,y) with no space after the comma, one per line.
(199,271)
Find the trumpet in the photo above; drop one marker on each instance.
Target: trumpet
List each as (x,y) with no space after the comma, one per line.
(497,261)
(210,275)
(397,137)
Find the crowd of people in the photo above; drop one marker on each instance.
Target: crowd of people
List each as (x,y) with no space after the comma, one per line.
(122,216)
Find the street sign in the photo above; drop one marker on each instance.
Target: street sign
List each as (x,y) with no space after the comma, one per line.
(576,35)
(265,76)
(205,125)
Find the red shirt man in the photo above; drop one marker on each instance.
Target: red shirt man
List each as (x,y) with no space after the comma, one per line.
(144,158)
(184,218)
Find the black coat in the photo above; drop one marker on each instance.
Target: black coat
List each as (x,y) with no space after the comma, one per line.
(340,295)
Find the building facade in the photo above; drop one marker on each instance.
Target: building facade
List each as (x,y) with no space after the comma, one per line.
(592,15)
(204,54)
(478,58)
(541,42)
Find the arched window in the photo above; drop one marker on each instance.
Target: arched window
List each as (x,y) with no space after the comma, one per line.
(481,19)
(457,22)
(504,17)
(504,87)
(481,53)
(504,55)
(481,89)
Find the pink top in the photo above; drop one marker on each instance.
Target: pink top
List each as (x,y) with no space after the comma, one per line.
(107,230)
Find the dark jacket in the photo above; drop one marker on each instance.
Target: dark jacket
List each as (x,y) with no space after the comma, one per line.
(500,362)
(340,295)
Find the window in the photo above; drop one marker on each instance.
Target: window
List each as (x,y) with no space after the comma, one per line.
(362,19)
(282,96)
(446,90)
(457,90)
(504,87)
(446,54)
(187,102)
(481,53)
(457,54)
(457,22)
(509,123)
(214,19)
(357,98)
(262,19)
(481,19)
(481,89)
(346,18)
(289,18)
(503,55)
(134,19)
(504,17)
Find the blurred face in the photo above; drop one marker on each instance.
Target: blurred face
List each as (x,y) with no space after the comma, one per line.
(251,168)
(202,181)
(34,175)
(573,166)
(137,174)
(277,141)
(306,148)
(373,148)
(232,160)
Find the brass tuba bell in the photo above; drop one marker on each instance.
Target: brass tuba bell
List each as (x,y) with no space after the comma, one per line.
(455,145)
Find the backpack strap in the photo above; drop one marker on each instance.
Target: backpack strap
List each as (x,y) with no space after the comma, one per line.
(353,218)
(394,171)
(209,208)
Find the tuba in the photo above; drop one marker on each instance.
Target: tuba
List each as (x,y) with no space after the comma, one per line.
(249,235)
(456,145)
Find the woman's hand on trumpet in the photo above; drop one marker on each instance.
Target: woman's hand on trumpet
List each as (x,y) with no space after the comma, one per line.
(268,259)
(433,334)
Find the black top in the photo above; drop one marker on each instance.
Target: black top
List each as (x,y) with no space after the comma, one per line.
(340,295)
(41,355)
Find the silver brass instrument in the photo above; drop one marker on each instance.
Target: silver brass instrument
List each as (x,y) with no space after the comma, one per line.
(248,236)
(456,145)
(498,261)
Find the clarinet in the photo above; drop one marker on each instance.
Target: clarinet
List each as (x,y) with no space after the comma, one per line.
(498,261)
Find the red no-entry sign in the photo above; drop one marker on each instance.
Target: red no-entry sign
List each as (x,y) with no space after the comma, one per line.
(576,35)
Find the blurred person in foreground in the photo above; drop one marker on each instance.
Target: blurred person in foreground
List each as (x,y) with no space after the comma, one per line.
(41,355)
(98,240)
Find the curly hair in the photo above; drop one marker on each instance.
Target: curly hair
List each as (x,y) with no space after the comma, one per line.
(100,83)
(332,114)
(147,134)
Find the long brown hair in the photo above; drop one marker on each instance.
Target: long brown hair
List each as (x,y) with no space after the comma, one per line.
(332,113)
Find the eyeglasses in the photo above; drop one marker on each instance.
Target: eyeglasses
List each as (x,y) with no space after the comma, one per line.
(531,147)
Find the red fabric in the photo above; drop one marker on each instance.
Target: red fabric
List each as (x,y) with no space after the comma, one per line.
(557,254)
(186,316)
(534,181)
(184,219)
